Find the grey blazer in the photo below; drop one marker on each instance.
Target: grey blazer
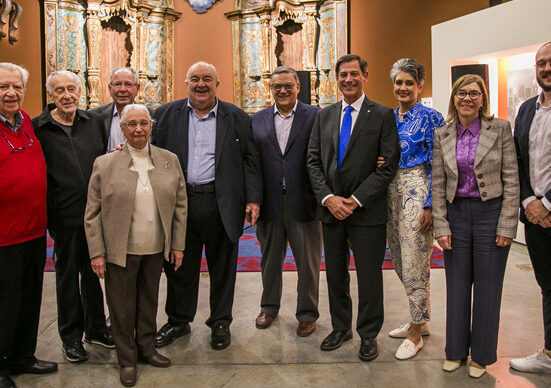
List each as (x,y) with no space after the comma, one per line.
(111,194)
(495,169)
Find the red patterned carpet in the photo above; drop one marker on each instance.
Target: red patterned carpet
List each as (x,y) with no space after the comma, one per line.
(249,256)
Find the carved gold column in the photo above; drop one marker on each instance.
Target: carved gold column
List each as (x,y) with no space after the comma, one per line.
(141,55)
(50,17)
(310,28)
(266,55)
(168,72)
(93,30)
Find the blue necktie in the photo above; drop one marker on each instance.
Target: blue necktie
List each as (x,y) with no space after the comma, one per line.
(346,128)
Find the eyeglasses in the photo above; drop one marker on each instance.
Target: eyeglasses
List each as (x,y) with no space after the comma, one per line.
(288,87)
(473,94)
(127,85)
(132,125)
(14,149)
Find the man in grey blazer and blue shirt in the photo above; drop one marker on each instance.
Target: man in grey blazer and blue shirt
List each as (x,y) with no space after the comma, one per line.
(123,88)
(351,191)
(281,133)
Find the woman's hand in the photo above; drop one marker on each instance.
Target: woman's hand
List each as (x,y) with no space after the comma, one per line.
(445,242)
(426,220)
(176,258)
(503,241)
(98,266)
(380,161)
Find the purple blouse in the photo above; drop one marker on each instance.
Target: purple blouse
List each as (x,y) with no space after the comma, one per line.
(465,152)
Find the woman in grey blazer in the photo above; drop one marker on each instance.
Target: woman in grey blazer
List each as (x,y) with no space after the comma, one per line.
(135,217)
(475,197)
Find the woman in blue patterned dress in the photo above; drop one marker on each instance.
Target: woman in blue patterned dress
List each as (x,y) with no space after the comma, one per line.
(409,227)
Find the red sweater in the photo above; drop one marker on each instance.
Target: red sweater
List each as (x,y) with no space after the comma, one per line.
(22,186)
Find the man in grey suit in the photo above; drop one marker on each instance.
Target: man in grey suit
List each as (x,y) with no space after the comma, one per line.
(123,87)
(351,191)
(281,133)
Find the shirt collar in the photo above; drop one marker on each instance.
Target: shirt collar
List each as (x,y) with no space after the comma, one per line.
(357,105)
(115,111)
(474,129)
(539,103)
(410,113)
(276,111)
(18,121)
(213,110)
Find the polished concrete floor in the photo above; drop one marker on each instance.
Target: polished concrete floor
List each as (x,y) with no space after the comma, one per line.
(276,357)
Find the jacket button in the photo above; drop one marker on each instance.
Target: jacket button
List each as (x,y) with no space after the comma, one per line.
(479,176)
(484,194)
(482,184)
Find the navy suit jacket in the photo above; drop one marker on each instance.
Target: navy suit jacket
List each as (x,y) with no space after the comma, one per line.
(374,134)
(237,173)
(291,164)
(522,142)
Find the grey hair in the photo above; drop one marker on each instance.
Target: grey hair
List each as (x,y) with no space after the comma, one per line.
(130,107)
(129,69)
(285,70)
(201,63)
(49,86)
(13,67)
(410,66)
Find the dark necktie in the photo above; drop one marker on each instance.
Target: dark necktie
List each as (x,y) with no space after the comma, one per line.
(346,128)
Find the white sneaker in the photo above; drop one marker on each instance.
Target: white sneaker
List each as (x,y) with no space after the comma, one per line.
(537,362)
(408,349)
(402,331)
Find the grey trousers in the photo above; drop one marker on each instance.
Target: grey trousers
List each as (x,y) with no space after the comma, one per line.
(132,296)
(305,241)
(475,263)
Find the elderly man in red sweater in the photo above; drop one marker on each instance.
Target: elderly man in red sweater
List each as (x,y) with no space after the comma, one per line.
(22,231)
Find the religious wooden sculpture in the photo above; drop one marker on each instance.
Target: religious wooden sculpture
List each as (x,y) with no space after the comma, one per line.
(307,35)
(10,13)
(91,38)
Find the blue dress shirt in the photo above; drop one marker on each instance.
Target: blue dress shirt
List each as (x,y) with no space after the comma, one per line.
(416,132)
(201,146)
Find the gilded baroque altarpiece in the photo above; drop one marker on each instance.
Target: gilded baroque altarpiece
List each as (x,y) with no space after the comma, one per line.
(92,37)
(307,35)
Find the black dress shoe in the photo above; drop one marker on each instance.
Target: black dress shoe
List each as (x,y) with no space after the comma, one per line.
(74,352)
(221,337)
(104,340)
(335,339)
(169,332)
(6,382)
(368,349)
(34,366)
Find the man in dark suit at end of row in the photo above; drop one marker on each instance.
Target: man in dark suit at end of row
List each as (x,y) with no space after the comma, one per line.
(352,192)
(213,140)
(281,133)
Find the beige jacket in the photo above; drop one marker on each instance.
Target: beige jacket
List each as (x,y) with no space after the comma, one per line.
(110,203)
(495,169)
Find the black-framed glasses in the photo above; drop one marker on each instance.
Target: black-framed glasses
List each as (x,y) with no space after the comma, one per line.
(288,87)
(473,94)
(17,149)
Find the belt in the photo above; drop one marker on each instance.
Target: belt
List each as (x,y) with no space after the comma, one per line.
(204,188)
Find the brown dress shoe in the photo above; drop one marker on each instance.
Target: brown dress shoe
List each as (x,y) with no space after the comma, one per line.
(305,328)
(263,321)
(158,360)
(129,376)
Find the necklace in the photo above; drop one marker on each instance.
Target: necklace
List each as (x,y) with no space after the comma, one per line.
(145,187)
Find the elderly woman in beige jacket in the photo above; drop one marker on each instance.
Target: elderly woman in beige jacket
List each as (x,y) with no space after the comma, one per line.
(135,217)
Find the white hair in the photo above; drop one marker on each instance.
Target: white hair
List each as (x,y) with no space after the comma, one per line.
(13,67)
(49,86)
(201,63)
(128,69)
(130,107)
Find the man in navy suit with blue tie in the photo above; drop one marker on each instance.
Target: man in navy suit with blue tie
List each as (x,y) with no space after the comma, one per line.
(281,133)
(351,192)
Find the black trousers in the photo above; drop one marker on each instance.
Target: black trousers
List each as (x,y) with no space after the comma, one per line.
(21,274)
(79,302)
(474,266)
(204,227)
(132,294)
(368,246)
(538,241)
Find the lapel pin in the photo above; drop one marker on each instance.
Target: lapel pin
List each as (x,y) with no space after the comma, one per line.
(167,164)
